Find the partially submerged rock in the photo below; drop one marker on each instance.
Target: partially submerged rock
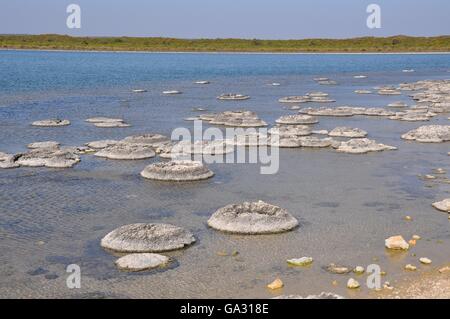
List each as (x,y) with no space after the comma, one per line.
(297,119)
(352,284)
(314,141)
(101,144)
(237,118)
(215,147)
(294,99)
(141,261)
(363,92)
(51,123)
(146,238)
(361,146)
(46,144)
(48,157)
(8,160)
(126,151)
(443,205)
(328,111)
(396,243)
(303,261)
(276,284)
(233,97)
(150,139)
(107,122)
(337,269)
(397,104)
(290,130)
(345,131)
(252,218)
(429,134)
(185,170)
(322,295)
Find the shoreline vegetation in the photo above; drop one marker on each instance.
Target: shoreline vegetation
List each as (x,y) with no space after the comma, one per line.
(394,44)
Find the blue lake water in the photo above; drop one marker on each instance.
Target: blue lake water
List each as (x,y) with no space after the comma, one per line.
(347,204)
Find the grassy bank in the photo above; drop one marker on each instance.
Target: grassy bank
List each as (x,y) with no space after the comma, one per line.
(365,44)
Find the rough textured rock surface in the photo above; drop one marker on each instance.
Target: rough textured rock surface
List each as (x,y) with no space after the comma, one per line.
(314,141)
(48,157)
(215,147)
(101,144)
(237,118)
(127,151)
(443,205)
(177,171)
(141,261)
(322,295)
(51,123)
(396,243)
(252,218)
(149,139)
(46,144)
(290,130)
(345,131)
(233,97)
(429,134)
(361,146)
(147,238)
(8,160)
(297,119)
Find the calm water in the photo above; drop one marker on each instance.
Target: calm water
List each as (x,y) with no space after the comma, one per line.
(347,204)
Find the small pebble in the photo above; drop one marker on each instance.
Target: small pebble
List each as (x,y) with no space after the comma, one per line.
(410,267)
(352,284)
(408,218)
(358,270)
(276,284)
(303,261)
(425,260)
(444,270)
(416,237)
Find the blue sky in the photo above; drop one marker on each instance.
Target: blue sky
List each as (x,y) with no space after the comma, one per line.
(265,19)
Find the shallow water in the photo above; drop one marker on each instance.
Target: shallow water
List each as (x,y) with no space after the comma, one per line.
(346,204)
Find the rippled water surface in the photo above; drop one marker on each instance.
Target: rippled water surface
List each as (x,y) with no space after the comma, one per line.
(346,204)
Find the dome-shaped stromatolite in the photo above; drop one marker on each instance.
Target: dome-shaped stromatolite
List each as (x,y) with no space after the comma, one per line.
(252,218)
(297,119)
(345,131)
(141,261)
(314,141)
(429,134)
(48,157)
(148,138)
(177,171)
(147,238)
(361,146)
(290,130)
(101,144)
(51,123)
(340,111)
(295,99)
(127,151)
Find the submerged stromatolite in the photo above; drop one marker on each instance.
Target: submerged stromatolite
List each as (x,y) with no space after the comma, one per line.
(182,170)
(126,151)
(51,123)
(345,131)
(147,238)
(429,134)
(361,146)
(252,218)
(141,261)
